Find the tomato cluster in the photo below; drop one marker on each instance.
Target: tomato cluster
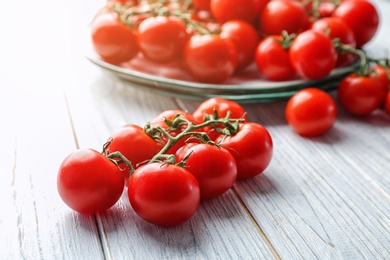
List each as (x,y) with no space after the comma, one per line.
(169,165)
(215,39)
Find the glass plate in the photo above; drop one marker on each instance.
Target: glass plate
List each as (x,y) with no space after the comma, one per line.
(170,79)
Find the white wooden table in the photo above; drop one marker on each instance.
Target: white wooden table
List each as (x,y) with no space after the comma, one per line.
(320,198)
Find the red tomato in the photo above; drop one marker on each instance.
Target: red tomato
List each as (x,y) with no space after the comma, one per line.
(214,168)
(209,58)
(245,37)
(162,39)
(252,148)
(202,4)
(247,10)
(133,143)
(338,28)
(222,106)
(361,95)
(311,112)
(112,40)
(313,55)
(273,60)
(362,17)
(165,195)
(88,182)
(283,15)
(159,120)
(387,103)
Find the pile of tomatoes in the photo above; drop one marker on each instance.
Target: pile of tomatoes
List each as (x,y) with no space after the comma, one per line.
(169,165)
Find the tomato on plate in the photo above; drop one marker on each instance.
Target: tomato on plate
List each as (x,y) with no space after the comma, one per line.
(162,38)
(245,37)
(214,168)
(210,58)
(273,59)
(313,55)
(112,40)
(222,106)
(311,112)
(163,194)
(283,15)
(362,17)
(361,95)
(387,103)
(252,148)
(88,182)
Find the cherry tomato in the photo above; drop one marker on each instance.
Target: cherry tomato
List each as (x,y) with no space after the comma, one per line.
(133,143)
(311,112)
(387,103)
(247,10)
(338,28)
(283,15)
(313,55)
(112,40)
(362,17)
(164,194)
(88,182)
(162,39)
(159,120)
(202,4)
(252,148)
(273,60)
(361,95)
(210,58)
(214,168)
(222,107)
(245,37)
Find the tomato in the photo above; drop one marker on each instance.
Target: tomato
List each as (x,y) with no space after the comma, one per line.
(214,168)
(313,55)
(88,182)
(252,148)
(202,4)
(133,143)
(273,59)
(326,9)
(338,28)
(162,39)
(362,17)
(387,103)
(361,95)
(247,10)
(245,37)
(163,194)
(283,15)
(311,112)
(210,58)
(222,106)
(159,120)
(112,40)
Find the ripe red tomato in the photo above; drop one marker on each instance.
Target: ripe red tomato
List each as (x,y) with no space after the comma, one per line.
(245,37)
(202,4)
(313,55)
(222,106)
(338,28)
(209,58)
(159,120)
(283,15)
(162,39)
(163,194)
(362,17)
(133,143)
(311,112)
(273,60)
(252,148)
(214,168)
(88,182)
(361,95)
(387,103)
(247,10)
(112,40)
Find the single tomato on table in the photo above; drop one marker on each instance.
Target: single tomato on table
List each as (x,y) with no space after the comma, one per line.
(163,194)
(214,168)
(311,112)
(88,182)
